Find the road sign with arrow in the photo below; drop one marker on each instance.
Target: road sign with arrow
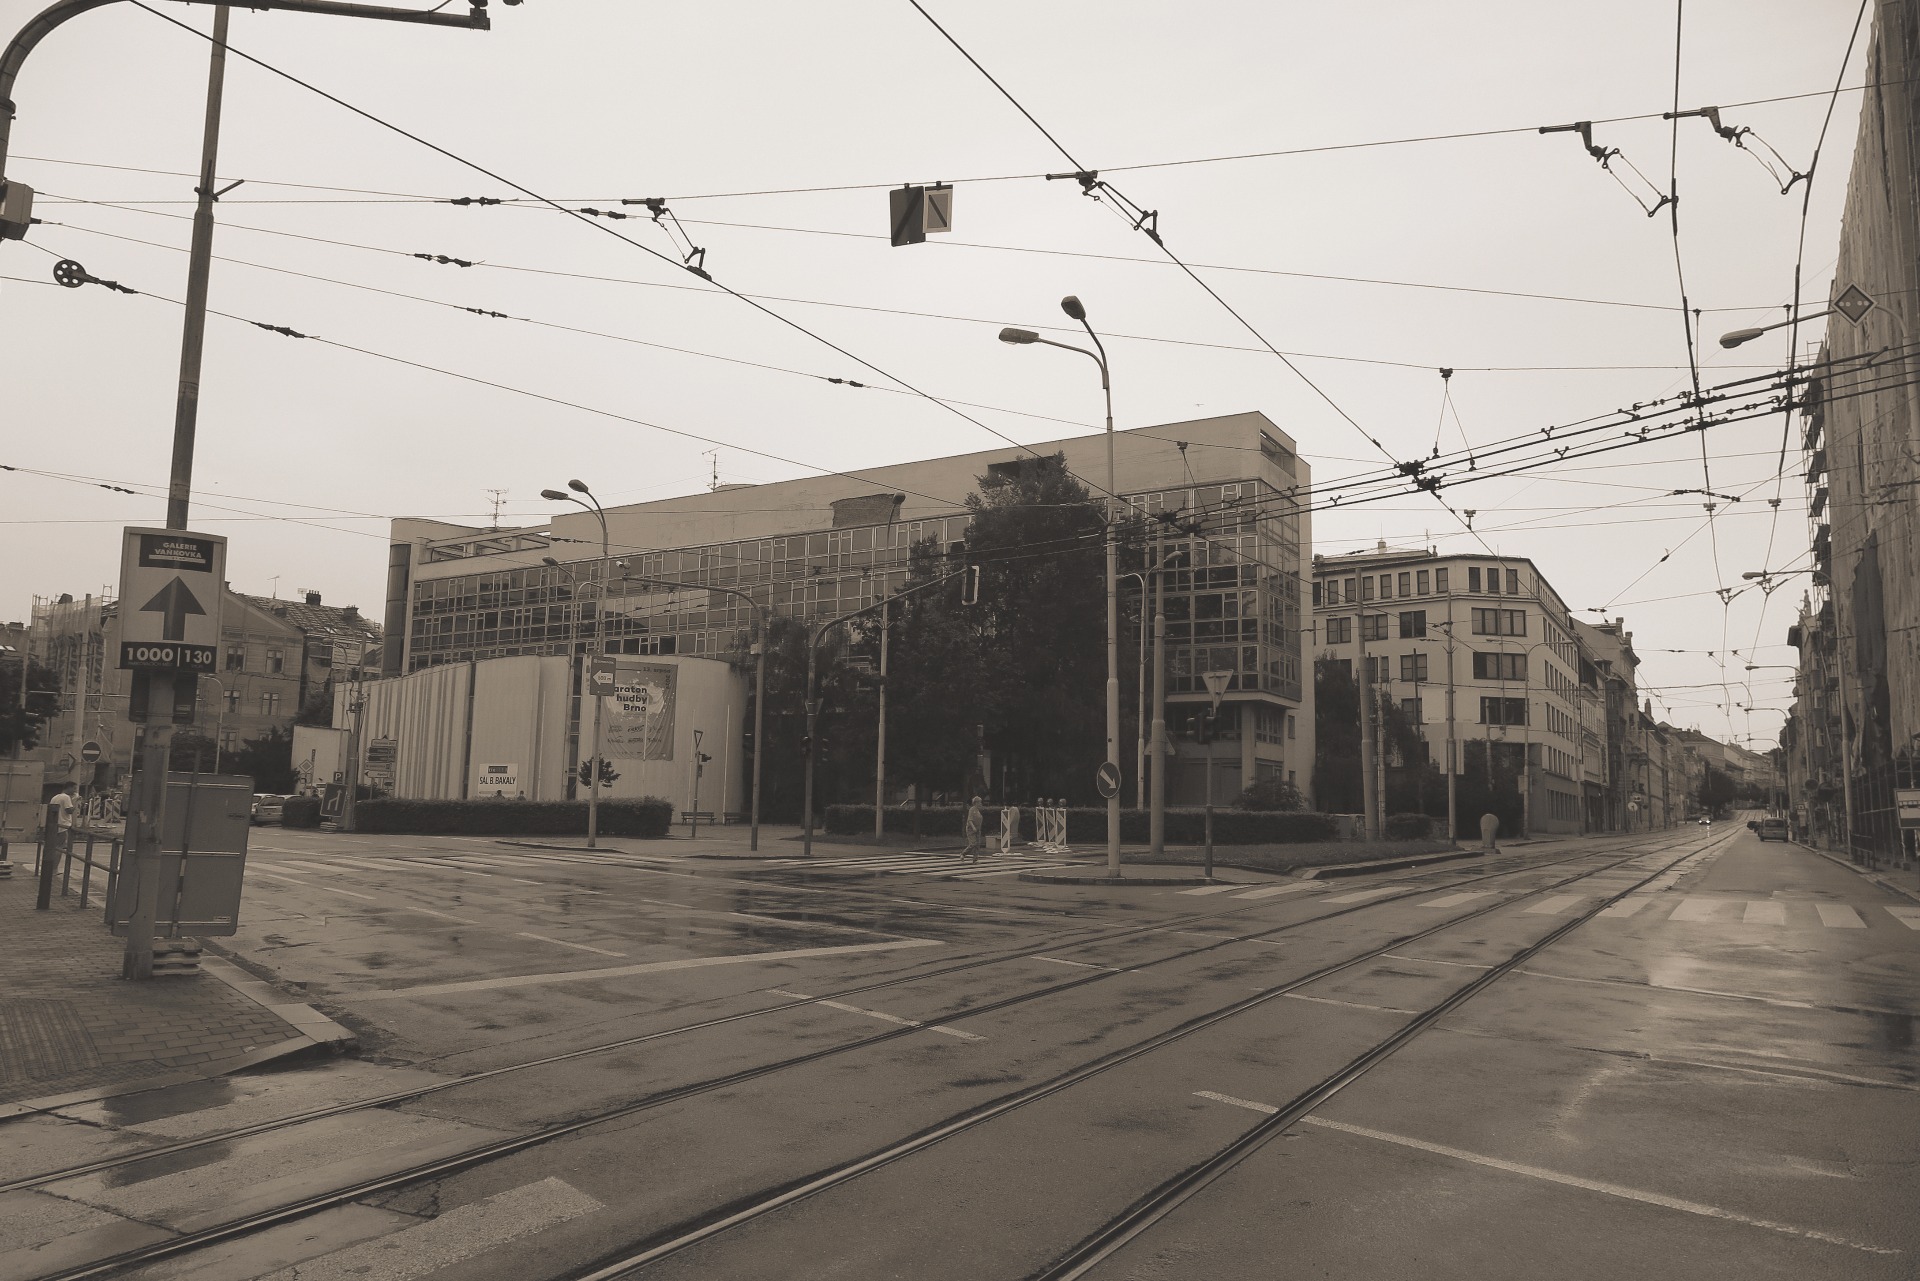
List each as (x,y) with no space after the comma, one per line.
(170,588)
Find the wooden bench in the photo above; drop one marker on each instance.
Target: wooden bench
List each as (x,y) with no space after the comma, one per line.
(704,816)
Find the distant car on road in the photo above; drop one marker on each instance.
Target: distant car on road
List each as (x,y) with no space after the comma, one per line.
(1706,822)
(1773,829)
(267,807)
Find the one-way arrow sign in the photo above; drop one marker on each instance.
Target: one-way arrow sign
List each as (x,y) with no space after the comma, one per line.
(173,602)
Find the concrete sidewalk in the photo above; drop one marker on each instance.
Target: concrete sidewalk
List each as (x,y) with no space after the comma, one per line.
(72,1029)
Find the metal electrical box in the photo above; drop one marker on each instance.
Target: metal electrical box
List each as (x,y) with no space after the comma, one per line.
(203,858)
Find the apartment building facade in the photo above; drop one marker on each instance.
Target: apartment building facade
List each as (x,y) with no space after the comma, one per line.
(1480,653)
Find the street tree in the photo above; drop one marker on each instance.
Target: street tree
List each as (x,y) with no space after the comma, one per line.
(22,726)
(1023,668)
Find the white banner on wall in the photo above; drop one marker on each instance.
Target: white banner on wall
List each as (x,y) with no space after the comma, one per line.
(639,715)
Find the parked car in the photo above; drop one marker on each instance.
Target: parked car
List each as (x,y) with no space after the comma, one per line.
(1773,829)
(267,807)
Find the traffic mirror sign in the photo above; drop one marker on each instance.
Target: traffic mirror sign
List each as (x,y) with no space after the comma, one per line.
(171,584)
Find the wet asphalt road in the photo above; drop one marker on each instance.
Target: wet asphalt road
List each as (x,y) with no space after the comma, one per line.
(1713,1077)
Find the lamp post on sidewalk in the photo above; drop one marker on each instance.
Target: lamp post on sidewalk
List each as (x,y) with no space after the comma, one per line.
(1023,337)
(591,504)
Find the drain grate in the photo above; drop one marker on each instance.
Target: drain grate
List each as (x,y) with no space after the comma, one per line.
(42,1039)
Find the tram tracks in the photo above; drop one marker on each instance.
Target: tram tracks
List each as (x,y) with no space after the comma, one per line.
(425,1172)
(1059,942)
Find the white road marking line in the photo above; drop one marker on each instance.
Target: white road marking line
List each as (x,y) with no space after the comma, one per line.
(884,1018)
(1428,960)
(1627,906)
(623,971)
(1453,900)
(1211,889)
(1764,912)
(1838,916)
(464,866)
(263,866)
(461,1233)
(1907,916)
(563,943)
(1271,891)
(1351,1005)
(1249,1104)
(1555,904)
(1085,965)
(1011,871)
(331,889)
(427,911)
(1360,896)
(1697,909)
(290,864)
(1594,1185)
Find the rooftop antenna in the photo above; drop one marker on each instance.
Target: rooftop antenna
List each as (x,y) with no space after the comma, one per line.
(276,587)
(714,482)
(498,498)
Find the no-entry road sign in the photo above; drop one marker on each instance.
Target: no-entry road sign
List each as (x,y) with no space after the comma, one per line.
(89,751)
(170,587)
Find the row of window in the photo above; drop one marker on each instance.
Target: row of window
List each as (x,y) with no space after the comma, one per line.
(270,703)
(237,660)
(1413,582)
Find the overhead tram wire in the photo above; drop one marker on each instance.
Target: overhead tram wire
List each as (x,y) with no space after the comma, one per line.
(1277,153)
(1799,260)
(898,311)
(1090,485)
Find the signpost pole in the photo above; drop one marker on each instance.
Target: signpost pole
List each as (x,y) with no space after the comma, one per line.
(1216,686)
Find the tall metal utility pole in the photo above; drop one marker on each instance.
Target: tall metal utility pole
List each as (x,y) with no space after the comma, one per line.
(880,752)
(1364,680)
(186,408)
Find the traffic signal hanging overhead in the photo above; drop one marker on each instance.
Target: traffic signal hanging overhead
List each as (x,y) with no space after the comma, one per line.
(918,211)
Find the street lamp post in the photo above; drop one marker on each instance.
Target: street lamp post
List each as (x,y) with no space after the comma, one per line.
(808,748)
(591,504)
(1077,311)
(763,615)
(1140,719)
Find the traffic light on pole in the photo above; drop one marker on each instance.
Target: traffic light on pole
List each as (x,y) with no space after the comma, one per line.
(970,586)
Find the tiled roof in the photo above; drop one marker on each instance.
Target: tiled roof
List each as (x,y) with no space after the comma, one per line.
(317,620)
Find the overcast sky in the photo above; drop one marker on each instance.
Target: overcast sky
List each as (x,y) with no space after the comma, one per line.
(305,450)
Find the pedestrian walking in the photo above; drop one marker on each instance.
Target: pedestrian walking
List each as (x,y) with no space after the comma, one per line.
(1489,830)
(973,825)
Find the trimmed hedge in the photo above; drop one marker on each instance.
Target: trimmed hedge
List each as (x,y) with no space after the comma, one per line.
(1409,827)
(647,817)
(1088,826)
(300,811)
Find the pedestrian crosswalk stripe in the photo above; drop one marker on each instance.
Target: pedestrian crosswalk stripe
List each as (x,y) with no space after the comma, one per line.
(1907,916)
(1627,906)
(304,867)
(1839,916)
(1764,912)
(1360,896)
(1555,904)
(1454,900)
(1010,871)
(479,1227)
(1270,891)
(1214,889)
(1697,909)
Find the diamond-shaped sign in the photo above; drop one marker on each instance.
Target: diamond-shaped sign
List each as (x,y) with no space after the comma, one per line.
(1854,303)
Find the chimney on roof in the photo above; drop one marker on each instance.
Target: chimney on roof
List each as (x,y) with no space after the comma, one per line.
(313,598)
(1381,545)
(351,611)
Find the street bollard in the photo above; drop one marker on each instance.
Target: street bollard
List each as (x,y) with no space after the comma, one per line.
(49,857)
(113,880)
(6,864)
(86,872)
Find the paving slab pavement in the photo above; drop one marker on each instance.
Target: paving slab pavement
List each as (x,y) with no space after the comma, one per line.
(71,1028)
